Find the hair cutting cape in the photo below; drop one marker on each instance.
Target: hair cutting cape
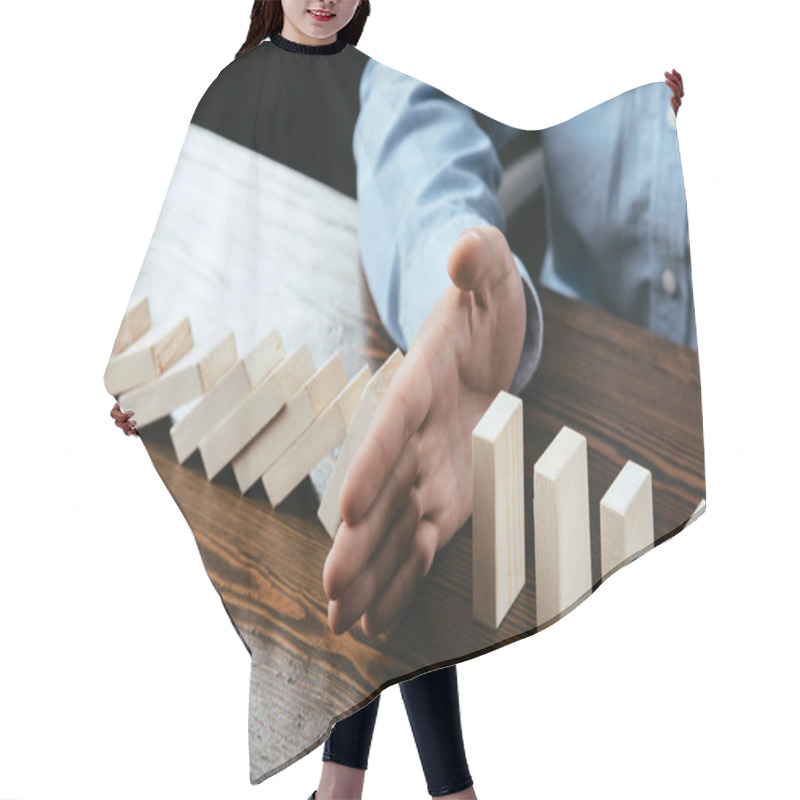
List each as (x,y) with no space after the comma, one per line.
(302,244)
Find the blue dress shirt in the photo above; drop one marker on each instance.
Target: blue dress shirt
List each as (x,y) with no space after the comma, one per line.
(426,170)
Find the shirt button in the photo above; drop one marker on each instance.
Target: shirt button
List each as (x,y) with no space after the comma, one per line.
(669,283)
(672,119)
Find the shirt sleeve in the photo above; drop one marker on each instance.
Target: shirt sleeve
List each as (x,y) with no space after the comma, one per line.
(425,172)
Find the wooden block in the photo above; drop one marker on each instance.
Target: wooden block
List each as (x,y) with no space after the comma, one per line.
(300,411)
(217,362)
(498,510)
(328,511)
(230,390)
(626,517)
(180,384)
(315,442)
(561,525)
(264,357)
(154,353)
(135,324)
(250,415)
(157,399)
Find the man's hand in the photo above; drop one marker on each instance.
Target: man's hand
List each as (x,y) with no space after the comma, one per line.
(409,487)
(675,82)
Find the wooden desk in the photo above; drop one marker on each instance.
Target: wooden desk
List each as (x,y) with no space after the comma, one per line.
(631,393)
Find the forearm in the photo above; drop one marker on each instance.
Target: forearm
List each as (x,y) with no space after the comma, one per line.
(426,172)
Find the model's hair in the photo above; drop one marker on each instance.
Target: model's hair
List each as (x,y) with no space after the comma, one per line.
(266,19)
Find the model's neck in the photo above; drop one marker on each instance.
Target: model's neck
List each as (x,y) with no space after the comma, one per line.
(311,49)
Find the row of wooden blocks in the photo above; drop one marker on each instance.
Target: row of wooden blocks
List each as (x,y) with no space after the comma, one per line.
(562,549)
(272,417)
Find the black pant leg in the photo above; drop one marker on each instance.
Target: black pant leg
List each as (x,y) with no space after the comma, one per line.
(433,710)
(351,737)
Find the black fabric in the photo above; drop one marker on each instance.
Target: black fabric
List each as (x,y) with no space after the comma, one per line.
(432,705)
(306,128)
(308,49)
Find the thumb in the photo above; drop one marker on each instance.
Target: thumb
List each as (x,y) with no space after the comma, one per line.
(478,260)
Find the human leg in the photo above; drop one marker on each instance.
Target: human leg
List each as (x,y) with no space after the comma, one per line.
(346,753)
(432,705)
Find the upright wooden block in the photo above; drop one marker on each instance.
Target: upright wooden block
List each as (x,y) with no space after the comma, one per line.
(562,543)
(249,416)
(154,353)
(135,324)
(626,516)
(300,411)
(315,442)
(498,510)
(328,512)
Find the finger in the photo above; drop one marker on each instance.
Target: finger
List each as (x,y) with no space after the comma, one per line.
(675,81)
(372,581)
(673,87)
(354,545)
(383,614)
(477,263)
(399,415)
(119,415)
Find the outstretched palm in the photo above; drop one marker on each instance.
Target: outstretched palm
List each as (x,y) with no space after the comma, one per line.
(409,487)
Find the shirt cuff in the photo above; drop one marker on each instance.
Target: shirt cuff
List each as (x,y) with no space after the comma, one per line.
(534,327)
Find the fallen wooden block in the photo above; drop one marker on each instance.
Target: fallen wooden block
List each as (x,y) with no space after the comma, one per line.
(328,511)
(135,324)
(626,517)
(180,384)
(153,354)
(299,412)
(561,525)
(498,510)
(230,390)
(252,413)
(315,442)
(156,399)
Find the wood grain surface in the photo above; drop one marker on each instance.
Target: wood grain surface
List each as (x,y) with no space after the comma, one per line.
(634,395)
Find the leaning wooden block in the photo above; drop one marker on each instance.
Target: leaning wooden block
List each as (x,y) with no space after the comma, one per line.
(155,400)
(315,442)
(153,354)
(328,512)
(230,390)
(561,525)
(180,384)
(626,516)
(135,324)
(264,357)
(299,412)
(249,416)
(217,362)
(498,510)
